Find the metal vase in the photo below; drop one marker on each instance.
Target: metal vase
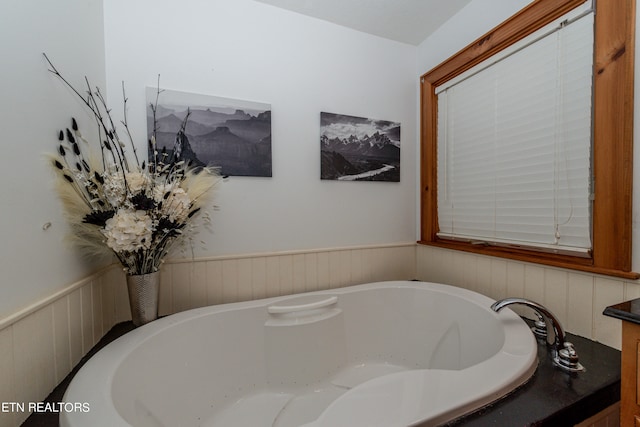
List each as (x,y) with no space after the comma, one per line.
(143,297)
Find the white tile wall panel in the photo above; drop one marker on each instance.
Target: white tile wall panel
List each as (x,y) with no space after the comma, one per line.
(498,285)
(245,280)
(96,308)
(471,272)
(186,285)
(515,279)
(214,282)
(631,290)
(108,304)
(7,391)
(581,311)
(259,277)
(311,272)
(199,285)
(181,283)
(40,345)
(555,293)
(86,314)
(606,329)
(34,357)
(61,338)
(534,282)
(576,298)
(75,326)
(483,276)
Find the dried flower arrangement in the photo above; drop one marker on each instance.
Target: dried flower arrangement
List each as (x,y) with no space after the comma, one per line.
(115,203)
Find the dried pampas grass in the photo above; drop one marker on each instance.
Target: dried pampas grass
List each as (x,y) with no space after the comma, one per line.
(116,204)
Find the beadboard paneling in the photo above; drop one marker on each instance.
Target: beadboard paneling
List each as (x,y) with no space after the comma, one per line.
(7,389)
(606,329)
(580,318)
(34,357)
(576,298)
(40,345)
(186,284)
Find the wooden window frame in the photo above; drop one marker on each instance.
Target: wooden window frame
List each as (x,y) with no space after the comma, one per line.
(612,133)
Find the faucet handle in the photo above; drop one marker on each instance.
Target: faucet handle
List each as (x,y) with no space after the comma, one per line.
(539,328)
(563,353)
(567,358)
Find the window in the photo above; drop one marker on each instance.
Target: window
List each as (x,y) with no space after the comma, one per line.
(514,143)
(561,234)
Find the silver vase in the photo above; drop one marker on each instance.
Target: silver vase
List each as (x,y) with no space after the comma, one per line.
(143,297)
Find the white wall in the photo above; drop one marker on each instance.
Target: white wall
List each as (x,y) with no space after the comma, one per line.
(472,22)
(35,263)
(233,48)
(248,50)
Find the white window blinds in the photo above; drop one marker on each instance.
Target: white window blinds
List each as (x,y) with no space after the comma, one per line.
(514,144)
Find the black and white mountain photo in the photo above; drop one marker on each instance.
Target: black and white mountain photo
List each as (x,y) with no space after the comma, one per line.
(230,134)
(359,149)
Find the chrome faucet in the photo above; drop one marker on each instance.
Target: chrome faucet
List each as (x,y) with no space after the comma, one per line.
(562,352)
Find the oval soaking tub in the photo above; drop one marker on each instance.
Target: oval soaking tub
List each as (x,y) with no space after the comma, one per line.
(381,354)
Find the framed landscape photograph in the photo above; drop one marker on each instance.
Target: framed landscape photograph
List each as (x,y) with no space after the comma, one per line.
(359,149)
(231,134)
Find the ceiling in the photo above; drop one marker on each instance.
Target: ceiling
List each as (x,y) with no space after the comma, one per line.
(407,21)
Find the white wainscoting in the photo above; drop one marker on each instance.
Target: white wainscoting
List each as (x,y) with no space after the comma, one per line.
(577,299)
(41,344)
(195,283)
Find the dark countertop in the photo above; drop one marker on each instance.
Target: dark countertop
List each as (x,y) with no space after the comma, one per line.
(550,398)
(553,398)
(628,310)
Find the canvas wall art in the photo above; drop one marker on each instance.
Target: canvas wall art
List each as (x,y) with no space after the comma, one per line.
(359,149)
(231,134)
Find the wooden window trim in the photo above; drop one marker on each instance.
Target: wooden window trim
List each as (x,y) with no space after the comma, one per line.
(612,133)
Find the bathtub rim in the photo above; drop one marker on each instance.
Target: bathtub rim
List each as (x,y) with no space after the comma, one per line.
(107,362)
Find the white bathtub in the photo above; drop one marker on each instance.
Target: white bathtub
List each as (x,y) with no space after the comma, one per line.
(382,354)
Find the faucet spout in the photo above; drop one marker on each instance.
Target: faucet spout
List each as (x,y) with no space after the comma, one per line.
(562,351)
(556,338)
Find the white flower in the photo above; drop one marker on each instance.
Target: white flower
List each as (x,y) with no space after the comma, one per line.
(176,204)
(137,182)
(140,231)
(128,231)
(160,190)
(115,190)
